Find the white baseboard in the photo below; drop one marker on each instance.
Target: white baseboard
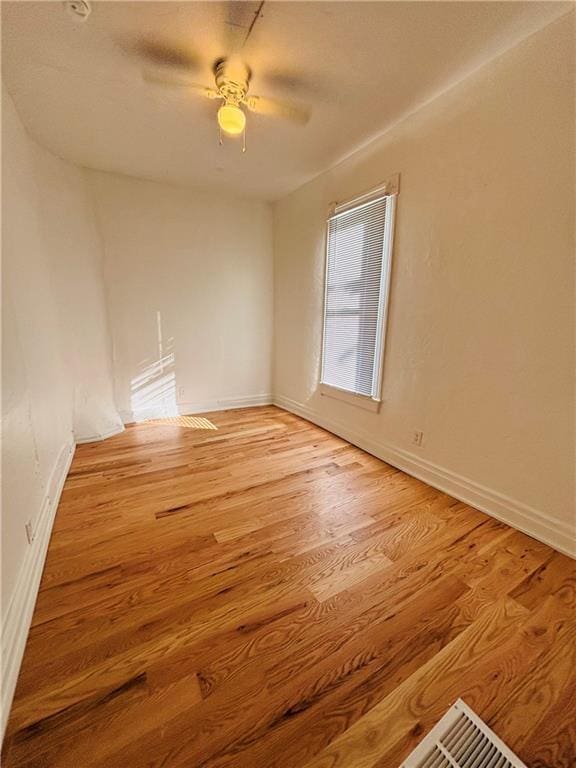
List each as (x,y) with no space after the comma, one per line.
(556,533)
(186,408)
(18,616)
(96,438)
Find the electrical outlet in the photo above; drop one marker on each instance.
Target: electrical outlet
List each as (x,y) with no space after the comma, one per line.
(181,393)
(417,437)
(30,535)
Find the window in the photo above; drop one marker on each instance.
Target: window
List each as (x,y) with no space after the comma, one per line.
(358,260)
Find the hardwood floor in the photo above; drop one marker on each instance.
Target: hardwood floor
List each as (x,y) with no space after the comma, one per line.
(265,594)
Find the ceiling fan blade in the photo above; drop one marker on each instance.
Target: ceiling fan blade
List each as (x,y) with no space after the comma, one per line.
(264,106)
(174,80)
(170,56)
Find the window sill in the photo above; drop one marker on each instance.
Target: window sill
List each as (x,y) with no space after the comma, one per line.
(361,401)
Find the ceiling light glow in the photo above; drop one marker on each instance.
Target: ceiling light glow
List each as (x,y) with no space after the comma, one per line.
(231,119)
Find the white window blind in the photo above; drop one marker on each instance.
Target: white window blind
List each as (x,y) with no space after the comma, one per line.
(356,297)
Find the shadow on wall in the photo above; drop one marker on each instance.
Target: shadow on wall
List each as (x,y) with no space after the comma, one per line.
(153,390)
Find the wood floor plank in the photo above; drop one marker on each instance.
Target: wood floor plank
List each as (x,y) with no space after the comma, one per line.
(262,594)
(384,733)
(544,701)
(336,680)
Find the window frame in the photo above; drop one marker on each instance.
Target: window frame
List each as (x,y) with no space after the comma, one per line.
(389,190)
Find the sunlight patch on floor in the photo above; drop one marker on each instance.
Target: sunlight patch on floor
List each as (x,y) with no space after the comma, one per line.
(191,422)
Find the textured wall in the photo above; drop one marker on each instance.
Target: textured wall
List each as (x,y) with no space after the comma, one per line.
(56,364)
(189,284)
(479,352)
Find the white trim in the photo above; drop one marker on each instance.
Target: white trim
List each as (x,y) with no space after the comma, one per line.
(186,408)
(552,531)
(352,398)
(95,438)
(383,308)
(387,188)
(324,302)
(16,623)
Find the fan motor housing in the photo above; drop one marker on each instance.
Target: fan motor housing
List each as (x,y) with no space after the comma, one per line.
(232,79)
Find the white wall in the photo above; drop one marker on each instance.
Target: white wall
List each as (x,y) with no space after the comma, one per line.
(73,245)
(36,413)
(189,284)
(480,352)
(55,357)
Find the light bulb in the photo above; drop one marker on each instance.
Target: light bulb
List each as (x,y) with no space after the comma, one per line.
(231,119)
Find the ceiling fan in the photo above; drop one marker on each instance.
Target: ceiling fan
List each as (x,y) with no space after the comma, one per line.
(231,84)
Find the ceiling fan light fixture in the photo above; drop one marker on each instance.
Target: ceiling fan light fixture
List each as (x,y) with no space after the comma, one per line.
(231,119)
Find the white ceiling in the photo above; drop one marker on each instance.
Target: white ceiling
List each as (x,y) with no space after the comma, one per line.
(359,66)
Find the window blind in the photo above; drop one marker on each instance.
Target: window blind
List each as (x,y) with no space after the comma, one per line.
(356,292)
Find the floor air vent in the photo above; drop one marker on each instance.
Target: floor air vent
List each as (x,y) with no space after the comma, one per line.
(462,740)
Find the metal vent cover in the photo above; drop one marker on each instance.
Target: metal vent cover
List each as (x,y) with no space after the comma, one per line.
(461,740)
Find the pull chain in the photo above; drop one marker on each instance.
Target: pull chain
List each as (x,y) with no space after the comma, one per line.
(221,138)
